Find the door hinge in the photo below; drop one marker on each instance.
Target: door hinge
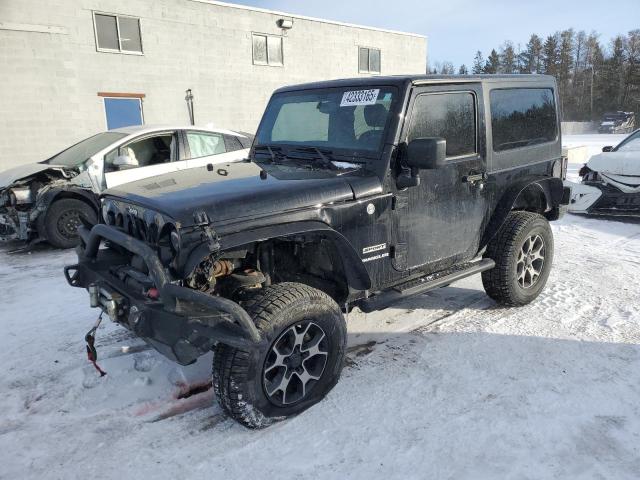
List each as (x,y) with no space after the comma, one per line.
(399,202)
(475,177)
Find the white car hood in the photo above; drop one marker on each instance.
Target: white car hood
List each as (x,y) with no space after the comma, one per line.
(7,177)
(619,163)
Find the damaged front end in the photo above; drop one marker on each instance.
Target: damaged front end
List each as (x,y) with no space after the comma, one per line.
(133,281)
(610,186)
(24,201)
(16,213)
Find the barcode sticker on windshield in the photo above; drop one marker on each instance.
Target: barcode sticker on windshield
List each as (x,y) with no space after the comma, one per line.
(359,97)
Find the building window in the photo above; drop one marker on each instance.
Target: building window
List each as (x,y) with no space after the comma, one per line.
(122,109)
(117,33)
(368,60)
(267,50)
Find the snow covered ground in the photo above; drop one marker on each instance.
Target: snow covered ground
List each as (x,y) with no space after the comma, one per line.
(443,385)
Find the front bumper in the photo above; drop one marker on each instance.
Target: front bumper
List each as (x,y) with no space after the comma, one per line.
(179,322)
(14,226)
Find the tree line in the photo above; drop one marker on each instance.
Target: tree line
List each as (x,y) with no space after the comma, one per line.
(592,78)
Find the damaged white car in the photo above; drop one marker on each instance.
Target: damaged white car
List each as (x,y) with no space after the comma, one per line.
(610,181)
(50,199)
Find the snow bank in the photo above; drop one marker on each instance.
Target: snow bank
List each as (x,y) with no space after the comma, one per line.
(593,142)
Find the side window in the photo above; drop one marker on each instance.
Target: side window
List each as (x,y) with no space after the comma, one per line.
(522,117)
(232,143)
(451,116)
(203,144)
(108,160)
(145,152)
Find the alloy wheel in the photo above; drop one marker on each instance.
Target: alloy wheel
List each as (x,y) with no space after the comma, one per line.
(530,262)
(295,363)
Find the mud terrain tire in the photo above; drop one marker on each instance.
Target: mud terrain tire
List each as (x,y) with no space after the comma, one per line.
(516,249)
(62,220)
(287,315)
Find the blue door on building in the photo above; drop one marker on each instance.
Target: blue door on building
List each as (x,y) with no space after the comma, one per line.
(123,112)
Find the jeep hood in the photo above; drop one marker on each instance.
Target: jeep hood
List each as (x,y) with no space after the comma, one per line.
(8,177)
(237,190)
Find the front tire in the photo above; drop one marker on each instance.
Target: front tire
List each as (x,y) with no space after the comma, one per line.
(523,252)
(63,219)
(297,364)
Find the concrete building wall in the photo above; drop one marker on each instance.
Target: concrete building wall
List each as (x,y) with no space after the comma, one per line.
(51,72)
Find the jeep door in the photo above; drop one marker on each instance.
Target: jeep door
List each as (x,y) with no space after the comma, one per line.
(439,222)
(148,156)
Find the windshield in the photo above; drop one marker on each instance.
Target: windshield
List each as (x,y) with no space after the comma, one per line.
(351,120)
(631,144)
(78,153)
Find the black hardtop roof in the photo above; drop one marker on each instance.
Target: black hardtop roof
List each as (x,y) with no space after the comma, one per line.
(402,80)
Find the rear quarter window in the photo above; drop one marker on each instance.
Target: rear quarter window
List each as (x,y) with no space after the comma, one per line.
(521,117)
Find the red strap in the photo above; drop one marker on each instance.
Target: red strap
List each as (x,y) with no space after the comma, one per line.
(91,354)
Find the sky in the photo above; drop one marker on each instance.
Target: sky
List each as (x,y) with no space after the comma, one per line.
(456,29)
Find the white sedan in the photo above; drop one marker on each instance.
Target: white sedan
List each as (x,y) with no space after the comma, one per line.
(50,199)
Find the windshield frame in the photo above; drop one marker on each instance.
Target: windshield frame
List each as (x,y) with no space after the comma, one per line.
(337,153)
(116,137)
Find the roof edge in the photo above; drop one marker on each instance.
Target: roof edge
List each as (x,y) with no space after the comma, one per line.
(303,17)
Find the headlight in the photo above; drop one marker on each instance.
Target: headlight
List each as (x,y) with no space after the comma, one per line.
(175,241)
(20,196)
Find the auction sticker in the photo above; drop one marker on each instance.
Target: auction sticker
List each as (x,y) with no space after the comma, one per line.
(359,97)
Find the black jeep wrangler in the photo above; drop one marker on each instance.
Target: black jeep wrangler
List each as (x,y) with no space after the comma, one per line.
(357,192)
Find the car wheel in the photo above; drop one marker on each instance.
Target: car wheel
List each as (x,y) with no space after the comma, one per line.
(298,362)
(63,219)
(523,252)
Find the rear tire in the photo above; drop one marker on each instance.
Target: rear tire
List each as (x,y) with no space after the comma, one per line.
(523,252)
(297,364)
(63,219)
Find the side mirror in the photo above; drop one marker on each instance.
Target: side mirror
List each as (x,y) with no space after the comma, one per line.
(608,148)
(124,162)
(427,153)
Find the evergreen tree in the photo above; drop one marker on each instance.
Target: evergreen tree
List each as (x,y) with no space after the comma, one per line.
(613,75)
(591,79)
(531,57)
(447,68)
(631,90)
(507,58)
(492,64)
(478,63)
(463,70)
(550,55)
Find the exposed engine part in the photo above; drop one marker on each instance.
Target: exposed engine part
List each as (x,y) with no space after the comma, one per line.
(204,277)
(20,196)
(222,268)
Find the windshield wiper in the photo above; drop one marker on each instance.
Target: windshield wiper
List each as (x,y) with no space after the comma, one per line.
(323,157)
(274,152)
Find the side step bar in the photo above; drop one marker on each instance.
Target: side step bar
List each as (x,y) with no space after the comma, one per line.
(424,284)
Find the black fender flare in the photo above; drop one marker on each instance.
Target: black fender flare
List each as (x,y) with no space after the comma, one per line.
(355,271)
(45,200)
(551,187)
(52,194)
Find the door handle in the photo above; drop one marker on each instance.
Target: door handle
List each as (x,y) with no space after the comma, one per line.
(475,178)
